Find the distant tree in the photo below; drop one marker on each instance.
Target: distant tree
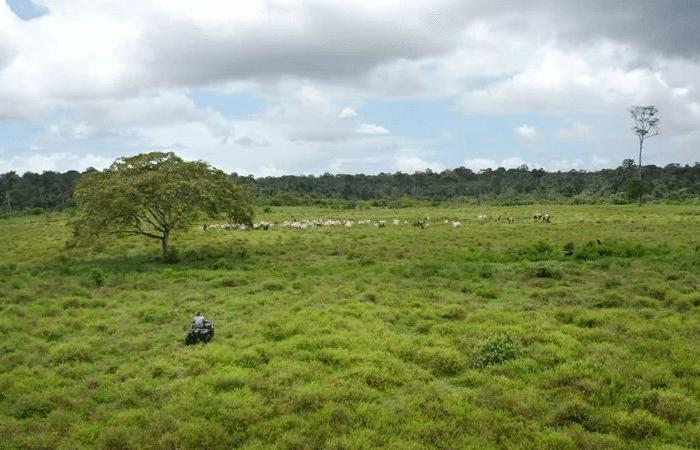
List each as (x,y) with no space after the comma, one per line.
(646,125)
(628,164)
(154,194)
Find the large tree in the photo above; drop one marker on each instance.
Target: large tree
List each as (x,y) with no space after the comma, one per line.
(646,125)
(154,194)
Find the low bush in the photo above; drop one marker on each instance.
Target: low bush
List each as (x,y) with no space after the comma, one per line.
(497,350)
(97,277)
(639,424)
(71,352)
(444,360)
(596,249)
(572,411)
(546,272)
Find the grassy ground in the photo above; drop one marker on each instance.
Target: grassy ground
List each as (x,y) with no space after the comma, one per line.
(487,336)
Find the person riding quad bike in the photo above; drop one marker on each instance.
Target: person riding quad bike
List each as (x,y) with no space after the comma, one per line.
(201,330)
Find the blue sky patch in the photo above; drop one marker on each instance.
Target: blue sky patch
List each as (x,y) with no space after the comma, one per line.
(27,9)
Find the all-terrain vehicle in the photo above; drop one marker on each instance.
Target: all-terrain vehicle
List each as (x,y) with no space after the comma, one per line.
(201,330)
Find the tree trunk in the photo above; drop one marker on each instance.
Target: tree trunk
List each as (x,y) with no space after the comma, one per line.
(641,189)
(165,240)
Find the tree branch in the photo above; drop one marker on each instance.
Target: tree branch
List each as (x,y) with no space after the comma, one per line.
(155,225)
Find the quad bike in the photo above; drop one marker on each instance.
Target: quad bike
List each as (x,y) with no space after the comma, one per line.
(200,334)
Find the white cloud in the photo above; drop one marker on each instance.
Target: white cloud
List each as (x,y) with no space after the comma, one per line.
(599,162)
(409,163)
(513,162)
(526,131)
(307,113)
(347,112)
(59,162)
(371,129)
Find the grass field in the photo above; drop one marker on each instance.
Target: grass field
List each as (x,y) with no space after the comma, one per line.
(486,336)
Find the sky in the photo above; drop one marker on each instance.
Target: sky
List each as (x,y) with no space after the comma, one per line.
(271,87)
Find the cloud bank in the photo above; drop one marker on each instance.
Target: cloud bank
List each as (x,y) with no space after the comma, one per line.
(96,79)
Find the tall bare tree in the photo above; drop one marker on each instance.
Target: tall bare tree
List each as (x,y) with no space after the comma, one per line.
(646,125)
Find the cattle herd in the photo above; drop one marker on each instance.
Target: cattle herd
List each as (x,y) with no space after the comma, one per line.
(347,223)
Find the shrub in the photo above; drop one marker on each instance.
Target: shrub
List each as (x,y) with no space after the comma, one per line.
(572,411)
(546,272)
(639,424)
(117,438)
(369,297)
(582,376)
(67,353)
(444,360)
(610,300)
(672,406)
(455,313)
(233,282)
(587,320)
(597,249)
(97,277)
(497,350)
(542,248)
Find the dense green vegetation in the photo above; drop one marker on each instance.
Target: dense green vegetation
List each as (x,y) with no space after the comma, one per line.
(520,185)
(513,186)
(580,333)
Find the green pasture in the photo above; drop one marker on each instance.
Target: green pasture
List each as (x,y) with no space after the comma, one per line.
(580,333)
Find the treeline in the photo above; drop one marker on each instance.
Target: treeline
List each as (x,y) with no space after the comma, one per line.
(52,190)
(48,190)
(512,186)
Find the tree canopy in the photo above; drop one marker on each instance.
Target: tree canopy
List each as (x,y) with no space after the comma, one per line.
(154,194)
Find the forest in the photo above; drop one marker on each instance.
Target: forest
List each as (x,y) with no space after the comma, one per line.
(672,183)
